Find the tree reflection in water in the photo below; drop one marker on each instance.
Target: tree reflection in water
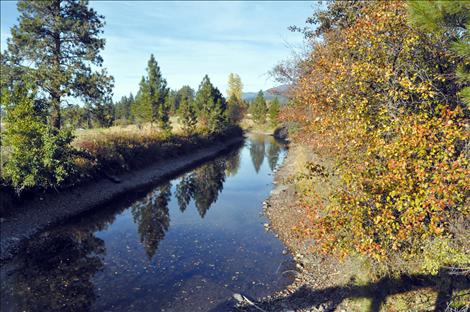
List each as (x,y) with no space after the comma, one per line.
(208,183)
(274,150)
(152,217)
(257,149)
(185,191)
(203,185)
(232,163)
(55,272)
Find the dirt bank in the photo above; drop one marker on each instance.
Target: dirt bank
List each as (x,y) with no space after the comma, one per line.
(315,287)
(37,214)
(327,284)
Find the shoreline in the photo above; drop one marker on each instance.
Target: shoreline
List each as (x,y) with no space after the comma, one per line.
(40,213)
(314,272)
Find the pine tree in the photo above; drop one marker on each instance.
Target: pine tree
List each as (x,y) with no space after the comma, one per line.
(141,108)
(152,101)
(158,92)
(258,108)
(204,100)
(450,20)
(273,111)
(187,111)
(55,46)
(210,106)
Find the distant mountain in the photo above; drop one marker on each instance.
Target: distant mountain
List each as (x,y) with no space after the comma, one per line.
(280,92)
(249,96)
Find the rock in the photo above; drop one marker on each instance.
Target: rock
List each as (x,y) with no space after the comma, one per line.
(238,297)
(281,133)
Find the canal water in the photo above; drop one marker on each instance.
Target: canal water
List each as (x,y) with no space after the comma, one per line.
(187,244)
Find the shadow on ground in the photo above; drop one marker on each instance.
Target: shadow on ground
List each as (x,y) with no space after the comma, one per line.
(446,284)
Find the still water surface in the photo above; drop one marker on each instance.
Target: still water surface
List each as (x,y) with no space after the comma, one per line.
(185,245)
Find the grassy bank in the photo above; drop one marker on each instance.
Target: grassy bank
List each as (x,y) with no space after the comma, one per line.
(251,125)
(106,153)
(119,150)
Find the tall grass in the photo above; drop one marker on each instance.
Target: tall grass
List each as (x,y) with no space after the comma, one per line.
(123,148)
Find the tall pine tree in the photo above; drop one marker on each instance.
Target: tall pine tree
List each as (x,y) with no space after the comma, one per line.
(56,45)
(258,108)
(186,110)
(273,111)
(152,103)
(141,109)
(210,106)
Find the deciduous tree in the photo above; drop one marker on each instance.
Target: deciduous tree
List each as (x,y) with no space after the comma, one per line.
(235,87)
(380,97)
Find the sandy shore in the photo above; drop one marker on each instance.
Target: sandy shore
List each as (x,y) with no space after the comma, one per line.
(36,215)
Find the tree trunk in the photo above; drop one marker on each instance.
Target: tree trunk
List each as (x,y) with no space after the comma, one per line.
(55,94)
(55,114)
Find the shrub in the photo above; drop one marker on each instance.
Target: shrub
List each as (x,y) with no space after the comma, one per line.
(380,98)
(39,156)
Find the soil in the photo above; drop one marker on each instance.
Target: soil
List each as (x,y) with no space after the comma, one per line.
(51,209)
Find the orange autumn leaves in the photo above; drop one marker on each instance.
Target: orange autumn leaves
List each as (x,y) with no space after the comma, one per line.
(370,96)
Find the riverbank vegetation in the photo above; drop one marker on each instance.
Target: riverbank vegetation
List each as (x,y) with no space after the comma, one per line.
(382,100)
(262,115)
(53,60)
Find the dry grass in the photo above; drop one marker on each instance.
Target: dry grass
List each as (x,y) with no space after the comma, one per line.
(122,148)
(249,124)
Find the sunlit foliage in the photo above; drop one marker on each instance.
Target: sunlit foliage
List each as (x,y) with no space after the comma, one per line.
(381,98)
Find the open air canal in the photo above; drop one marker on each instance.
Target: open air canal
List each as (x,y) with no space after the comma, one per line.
(188,244)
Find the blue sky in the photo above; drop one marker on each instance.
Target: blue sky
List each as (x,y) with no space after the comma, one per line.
(191,39)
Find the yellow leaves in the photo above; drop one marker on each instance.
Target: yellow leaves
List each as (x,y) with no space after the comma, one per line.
(396,168)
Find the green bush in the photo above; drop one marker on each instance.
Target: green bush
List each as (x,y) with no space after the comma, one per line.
(40,156)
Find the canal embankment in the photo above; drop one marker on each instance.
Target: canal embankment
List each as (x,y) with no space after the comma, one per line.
(42,211)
